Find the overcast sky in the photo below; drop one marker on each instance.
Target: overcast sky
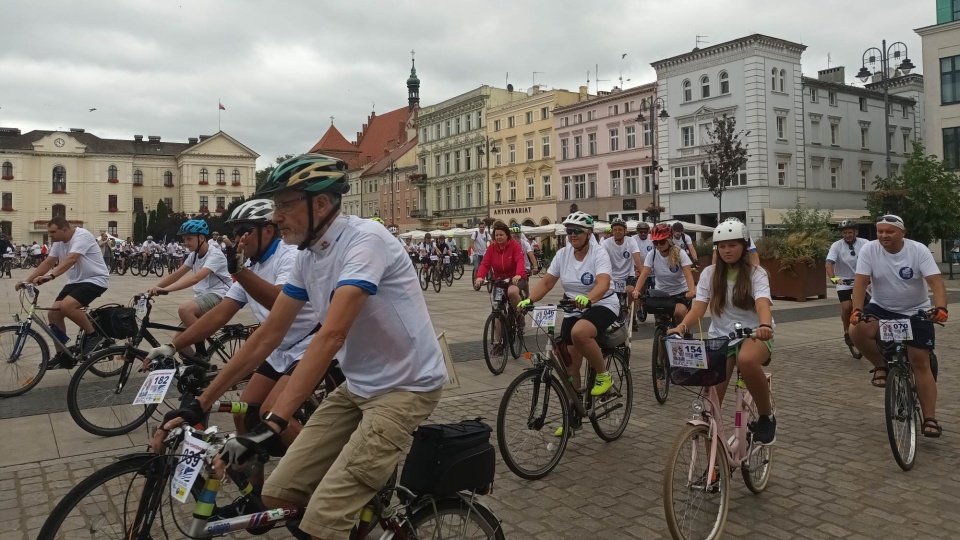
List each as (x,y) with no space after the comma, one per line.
(281,69)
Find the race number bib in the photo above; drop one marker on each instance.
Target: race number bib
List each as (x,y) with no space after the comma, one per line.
(686,353)
(434,258)
(446,260)
(154,387)
(497,294)
(543,317)
(896,330)
(142,307)
(189,467)
(619,286)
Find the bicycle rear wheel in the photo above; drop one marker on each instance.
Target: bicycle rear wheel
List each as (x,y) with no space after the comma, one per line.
(612,410)
(659,367)
(23,360)
(901,412)
(453,517)
(756,467)
(495,350)
(103,405)
(695,500)
(530,412)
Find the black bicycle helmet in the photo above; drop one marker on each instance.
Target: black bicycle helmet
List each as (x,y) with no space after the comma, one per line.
(313,173)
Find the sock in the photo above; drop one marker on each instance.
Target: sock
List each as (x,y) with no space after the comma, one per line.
(59,333)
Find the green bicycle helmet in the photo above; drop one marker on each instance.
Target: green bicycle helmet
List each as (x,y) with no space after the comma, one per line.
(377,219)
(194,226)
(608,230)
(313,173)
(515,228)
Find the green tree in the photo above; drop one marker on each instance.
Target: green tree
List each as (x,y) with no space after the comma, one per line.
(263,173)
(139,227)
(726,156)
(162,211)
(924,194)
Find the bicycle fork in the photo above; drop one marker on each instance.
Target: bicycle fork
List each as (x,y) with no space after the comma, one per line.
(22,334)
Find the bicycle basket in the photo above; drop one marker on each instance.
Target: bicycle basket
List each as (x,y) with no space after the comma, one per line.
(116,321)
(447,458)
(714,374)
(659,303)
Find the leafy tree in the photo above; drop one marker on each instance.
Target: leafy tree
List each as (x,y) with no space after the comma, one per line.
(162,211)
(262,174)
(726,155)
(924,194)
(139,227)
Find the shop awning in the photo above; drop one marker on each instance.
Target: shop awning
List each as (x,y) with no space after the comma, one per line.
(773,217)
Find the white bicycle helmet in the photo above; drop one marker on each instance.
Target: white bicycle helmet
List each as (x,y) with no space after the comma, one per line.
(581,219)
(731,230)
(733,219)
(394,230)
(848,224)
(253,211)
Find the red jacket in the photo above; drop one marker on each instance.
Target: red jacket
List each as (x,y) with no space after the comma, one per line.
(505,262)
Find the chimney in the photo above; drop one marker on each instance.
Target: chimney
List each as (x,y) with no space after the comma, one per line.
(583,93)
(536,89)
(76,130)
(138,138)
(832,75)
(205,137)
(192,140)
(154,138)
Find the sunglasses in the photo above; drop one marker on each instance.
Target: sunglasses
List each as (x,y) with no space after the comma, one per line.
(240,231)
(575,231)
(889,219)
(660,242)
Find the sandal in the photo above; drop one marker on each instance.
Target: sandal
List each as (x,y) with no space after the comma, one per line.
(878,380)
(931,428)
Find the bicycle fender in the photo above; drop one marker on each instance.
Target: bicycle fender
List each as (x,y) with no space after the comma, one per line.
(697,422)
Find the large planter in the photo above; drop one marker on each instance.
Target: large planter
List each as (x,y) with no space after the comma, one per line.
(799,282)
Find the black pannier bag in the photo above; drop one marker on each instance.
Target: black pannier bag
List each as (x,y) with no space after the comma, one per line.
(116,321)
(447,458)
(659,303)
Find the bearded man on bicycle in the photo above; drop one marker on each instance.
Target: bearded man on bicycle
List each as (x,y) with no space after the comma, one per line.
(901,272)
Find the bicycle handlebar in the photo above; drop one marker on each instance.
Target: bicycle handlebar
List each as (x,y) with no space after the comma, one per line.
(566,305)
(921,316)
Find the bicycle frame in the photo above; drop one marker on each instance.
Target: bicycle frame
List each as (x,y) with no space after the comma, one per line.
(33,318)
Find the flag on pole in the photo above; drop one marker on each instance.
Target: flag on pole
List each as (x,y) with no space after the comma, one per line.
(222,108)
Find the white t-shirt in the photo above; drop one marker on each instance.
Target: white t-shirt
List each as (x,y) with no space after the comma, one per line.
(35,249)
(845,264)
(898,278)
(149,246)
(526,248)
(670,279)
(683,242)
(621,257)
(426,248)
(218,281)
(725,323)
(645,245)
(90,268)
(480,241)
(274,267)
(580,277)
(392,345)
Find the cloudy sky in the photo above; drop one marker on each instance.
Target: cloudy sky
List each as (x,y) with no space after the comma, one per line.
(282,69)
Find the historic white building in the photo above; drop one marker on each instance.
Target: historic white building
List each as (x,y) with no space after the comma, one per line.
(100,183)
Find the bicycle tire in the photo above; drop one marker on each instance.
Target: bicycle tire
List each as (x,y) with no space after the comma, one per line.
(539,430)
(517,344)
(497,364)
(619,397)
(900,410)
(474,280)
(486,524)
(448,275)
(458,269)
(102,406)
(424,276)
(437,279)
(756,467)
(658,368)
(158,269)
(681,526)
(21,376)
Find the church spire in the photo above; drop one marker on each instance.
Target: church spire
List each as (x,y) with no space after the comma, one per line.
(413,84)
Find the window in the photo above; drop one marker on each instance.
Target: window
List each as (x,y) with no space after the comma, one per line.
(564,150)
(687,91)
(545,179)
(60,210)
(458,191)
(169,202)
(446,129)
(138,177)
(112,174)
(529,117)
(479,119)
(496,193)
(446,163)
(59,179)
(950,80)
(835,134)
(7,170)
(864,137)
(580,186)
(591,115)
(138,205)
(782,128)
(439,170)
(468,159)
(704,87)
(631,181)
(221,177)
(906,143)
(863,179)
(626,106)
(513,190)
(685,178)
(203,203)
(204,176)
(614,140)
(773,79)
(530,150)
(613,110)
(531,187)
(168,179)
(783,79)
(687,134)
(439,198)
(890,140)
(512,150)
(479,193)
(578,118)
(497,157)
(544,113)
(906,110)
(832,98)
(863,104)
(448,194)
(424,135)
(615,183)
(631,137)
(813,95)
(496,125)
(592,185)
(647,133)
(436,131)
(648,179)
(7,201)
(545,146)
(781,174)
(577,146)
(235,175)
(457,125)
(469,190)
(469,121)
(456,161)
(221,204)
(112,228)
(510,121)
(740,180)
(834,177)
(592,143)
(814,132)
(724,83)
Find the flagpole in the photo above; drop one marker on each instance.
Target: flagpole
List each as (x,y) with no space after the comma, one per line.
(219,108)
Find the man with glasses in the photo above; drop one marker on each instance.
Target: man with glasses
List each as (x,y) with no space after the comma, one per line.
(901,272)
(841,267)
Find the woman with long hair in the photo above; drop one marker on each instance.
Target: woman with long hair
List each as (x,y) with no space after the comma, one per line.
(672,268)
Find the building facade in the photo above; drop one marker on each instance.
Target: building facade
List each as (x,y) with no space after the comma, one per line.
(452,156)
(100,183)
(941,67)
(522,168)
(399,197)
(604,154)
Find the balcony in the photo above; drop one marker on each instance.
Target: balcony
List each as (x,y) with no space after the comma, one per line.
(418,213)
(472,211)
(113,180)
(203,183)
(138,184)
(221,182)
(419,180)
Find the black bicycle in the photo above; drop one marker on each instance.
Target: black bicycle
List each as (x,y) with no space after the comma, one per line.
(662,306)
(503,331)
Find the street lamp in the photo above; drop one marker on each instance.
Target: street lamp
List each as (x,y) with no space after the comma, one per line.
(886,54)
(651,106)
(486,149)
(393,171)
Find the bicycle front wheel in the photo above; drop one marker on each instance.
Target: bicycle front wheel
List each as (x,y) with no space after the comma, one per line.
(533,426)
(495,350)
(458,269)
(158,269)
(437,280)
(453,517)
(474,280)
(23,360)
(611,411)
(900,407)
(448,275)
(695,499)
(103,405)
(659,367)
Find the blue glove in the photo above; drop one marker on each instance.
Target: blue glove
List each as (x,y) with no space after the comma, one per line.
(582,300)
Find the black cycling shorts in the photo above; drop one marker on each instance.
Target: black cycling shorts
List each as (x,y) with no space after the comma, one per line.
(600,317)
(267,371)
(82,292)
(632,281)
(847,296)
(924,336)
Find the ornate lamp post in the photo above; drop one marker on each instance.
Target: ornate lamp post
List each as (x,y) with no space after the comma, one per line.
(651,106)
(486,149)
(894,52)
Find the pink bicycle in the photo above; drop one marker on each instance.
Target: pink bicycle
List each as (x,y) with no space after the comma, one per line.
(696,482)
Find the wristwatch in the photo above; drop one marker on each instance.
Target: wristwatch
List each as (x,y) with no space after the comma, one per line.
(280,422)
(52,277)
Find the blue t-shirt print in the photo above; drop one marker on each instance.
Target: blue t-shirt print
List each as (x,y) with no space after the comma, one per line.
(906,272)
(587,278)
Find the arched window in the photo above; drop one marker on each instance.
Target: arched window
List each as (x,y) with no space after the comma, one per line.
(724,83)
(58,210)
(138,177)
(112,174)
(168,179)
(59,179)
(773,79)
(236,177)
(221,176)
(7,170)
(704,87)
(783,78)
(687,91)
(204,176)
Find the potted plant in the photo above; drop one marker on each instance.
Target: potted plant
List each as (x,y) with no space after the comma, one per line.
(794,255)
(654,212)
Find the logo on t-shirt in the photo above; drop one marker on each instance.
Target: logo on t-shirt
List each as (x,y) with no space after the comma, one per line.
(906,272)
(649,248)
(587,278)
(675,269)
(626,254)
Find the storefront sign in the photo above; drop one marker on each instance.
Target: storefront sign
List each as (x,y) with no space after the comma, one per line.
(511,211)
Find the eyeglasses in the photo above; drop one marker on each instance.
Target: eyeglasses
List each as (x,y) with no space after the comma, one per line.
(643,231)
(286,206)
(575,231)
(660,242)
(240,231)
